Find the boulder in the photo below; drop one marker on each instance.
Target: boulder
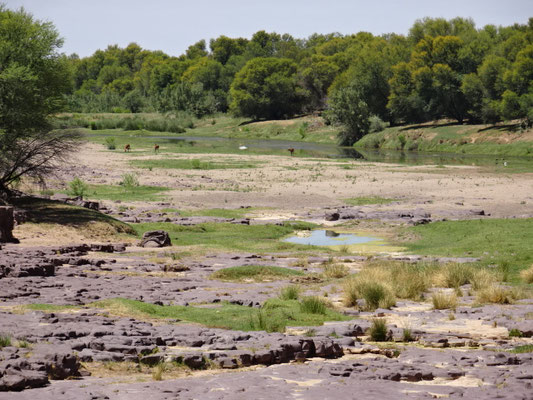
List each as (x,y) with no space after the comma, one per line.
(7,223)
(155,239)
(334,216)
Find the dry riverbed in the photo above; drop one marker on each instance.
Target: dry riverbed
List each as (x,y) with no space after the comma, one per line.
(86,344)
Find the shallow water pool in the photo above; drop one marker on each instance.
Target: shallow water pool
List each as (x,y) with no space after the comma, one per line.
(329,238)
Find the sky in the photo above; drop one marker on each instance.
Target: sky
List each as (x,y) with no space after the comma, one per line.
(173,25)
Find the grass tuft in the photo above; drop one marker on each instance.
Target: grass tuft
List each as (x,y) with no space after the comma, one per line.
(378,330)
(527,275)
(5,341)
(291,292)
(313,305)
(444,301)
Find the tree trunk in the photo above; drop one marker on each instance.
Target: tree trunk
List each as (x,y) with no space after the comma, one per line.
(7,223)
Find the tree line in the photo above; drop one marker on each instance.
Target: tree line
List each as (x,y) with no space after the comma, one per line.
(441,69)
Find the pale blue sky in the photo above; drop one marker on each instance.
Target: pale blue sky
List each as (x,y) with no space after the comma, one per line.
(171,26)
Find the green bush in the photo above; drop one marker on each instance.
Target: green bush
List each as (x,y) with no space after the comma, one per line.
(77,187)
(110,143)
(376,124)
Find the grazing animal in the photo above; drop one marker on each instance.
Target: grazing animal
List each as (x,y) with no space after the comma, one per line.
(127,148)
(291,150)
(156,148)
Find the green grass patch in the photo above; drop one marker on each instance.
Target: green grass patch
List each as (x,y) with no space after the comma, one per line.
(132,193)
(256,273)
(363,201)
(502,242)
(225,236)
(50,307)
(527,348)
(275,314)
(192,164)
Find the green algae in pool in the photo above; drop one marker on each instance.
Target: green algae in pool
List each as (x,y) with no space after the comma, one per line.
(330,238)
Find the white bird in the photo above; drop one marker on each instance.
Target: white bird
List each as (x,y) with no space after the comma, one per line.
(241,147)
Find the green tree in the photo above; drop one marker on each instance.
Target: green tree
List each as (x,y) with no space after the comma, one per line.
(33,78)
(348,107)
(267,88)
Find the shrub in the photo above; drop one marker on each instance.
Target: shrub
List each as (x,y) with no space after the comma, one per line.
(110,143)
(376,124)
(77,187)
(515,333)
(129,181)
(378,330)
(290,292)
(443,301)
(313,305)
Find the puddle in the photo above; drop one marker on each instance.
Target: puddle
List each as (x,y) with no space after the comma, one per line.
(329,238)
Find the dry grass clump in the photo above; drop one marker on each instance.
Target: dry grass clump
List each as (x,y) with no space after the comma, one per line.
(498,294)
(335,271)
(527,275)
(483,278)
(444,301)
(374,293)
(453,275)
(380,284)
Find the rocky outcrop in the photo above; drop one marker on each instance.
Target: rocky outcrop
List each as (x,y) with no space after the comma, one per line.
(155,239)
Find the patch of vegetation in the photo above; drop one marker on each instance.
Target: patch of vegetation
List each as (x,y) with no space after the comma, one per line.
(497,294)
(378,330)
(444,301)
(527,275)
(126,192)
(90,222)
(275,314)
(5,341)
(515,333)
(255,273)
(313,305)
(291,292)
(503,242)
(527,348)
(77,187)
(374,293)
(192,164)
(259,238)
(447,138)
(334,270)
(363,201)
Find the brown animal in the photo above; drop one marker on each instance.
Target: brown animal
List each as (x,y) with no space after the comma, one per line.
(291,150)
(127,148)
(156,148)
